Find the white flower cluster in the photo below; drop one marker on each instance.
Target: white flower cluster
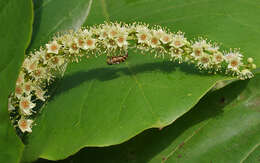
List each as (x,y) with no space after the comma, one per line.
(42,66)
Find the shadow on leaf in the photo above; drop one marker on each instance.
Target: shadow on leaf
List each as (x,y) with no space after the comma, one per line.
(112,72)
(152,142)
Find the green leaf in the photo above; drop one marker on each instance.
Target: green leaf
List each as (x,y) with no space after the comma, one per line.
(253,155)
(98,105)
(15,32)
(52,16)
(223,127)
(234,24)
(103,105)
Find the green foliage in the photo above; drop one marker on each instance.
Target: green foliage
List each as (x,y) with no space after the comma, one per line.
(234,24)
(100,105)
(52,16)
(15,32)
(223,127)
(253,155)
(55,16)
(119,102)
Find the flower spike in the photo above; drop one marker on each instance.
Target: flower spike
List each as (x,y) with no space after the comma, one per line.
(42,66)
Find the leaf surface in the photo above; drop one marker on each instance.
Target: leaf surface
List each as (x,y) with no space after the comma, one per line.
(15,33)
(98,105)
(253,155)
(223,127)
(51,17)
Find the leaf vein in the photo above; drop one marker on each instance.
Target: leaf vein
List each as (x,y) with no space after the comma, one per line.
(123,101)
(139,85)
(186,140)
(84,102)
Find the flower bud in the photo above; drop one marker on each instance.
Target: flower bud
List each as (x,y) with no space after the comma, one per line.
(250,60)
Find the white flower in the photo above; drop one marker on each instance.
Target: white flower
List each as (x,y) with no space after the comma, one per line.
(232,55)
(158,33)
(113,32)
(57,61)
(42,55)
(212,49)
(81,43)
(204,44)
(204,60)
(110,44)
(121,40)
(53,47)
(40,73)
(103,33)
(26,105)
(234,60)
(245,74)
(139,28)
(10,105)
(70,43)
(25,124)
(41,52)
(46,58)
(26,62)
(65,39)
(28,87)
(154,41)
(143,35)
(234,64)
(90,43)
(86,33)
(176,53)
(218,58)
(166,38)
(19,91)
(178,40)
(197,51)
(40,94)
(73,47)
(30,64)
(20,78)
(34,57)
(85,41)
